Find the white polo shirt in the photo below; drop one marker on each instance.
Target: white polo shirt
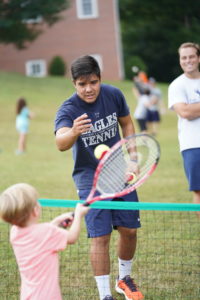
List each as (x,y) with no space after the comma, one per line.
(186,90)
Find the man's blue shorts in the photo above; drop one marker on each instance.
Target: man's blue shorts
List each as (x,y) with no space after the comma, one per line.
(191,159)
(101,222)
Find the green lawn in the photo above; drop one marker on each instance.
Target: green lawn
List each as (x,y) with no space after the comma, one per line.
(167,263)
(50,170)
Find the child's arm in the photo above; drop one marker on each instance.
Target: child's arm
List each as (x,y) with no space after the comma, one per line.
(74,221)
(59,219)
(74,231)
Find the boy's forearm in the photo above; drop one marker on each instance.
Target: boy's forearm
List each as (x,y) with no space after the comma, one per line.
(127,126)
(65,139)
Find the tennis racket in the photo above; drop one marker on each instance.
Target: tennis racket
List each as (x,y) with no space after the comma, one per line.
(124,167)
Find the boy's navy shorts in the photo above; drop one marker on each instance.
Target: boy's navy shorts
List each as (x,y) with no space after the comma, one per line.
(101,222)
(191,159)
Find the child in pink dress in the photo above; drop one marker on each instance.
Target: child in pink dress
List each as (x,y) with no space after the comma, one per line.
(36,245)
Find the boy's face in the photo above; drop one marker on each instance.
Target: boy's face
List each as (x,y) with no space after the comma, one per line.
(88,87)
(189,60)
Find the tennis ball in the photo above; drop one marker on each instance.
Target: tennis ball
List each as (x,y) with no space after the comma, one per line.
(132,178)
(100,151)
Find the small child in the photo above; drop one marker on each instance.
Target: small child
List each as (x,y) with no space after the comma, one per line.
(36,245)
(22,124)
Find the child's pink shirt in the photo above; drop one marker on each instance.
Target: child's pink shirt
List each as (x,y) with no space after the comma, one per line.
(36,249)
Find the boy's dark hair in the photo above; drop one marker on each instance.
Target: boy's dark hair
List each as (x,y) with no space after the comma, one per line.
(85,66)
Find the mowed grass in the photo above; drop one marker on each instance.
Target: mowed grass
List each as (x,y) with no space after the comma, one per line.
(167,261)
(50,170)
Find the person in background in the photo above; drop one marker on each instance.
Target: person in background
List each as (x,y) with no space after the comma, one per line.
(140,113)
(143,77)
(153,111)
(36,245)
(22,124)
(184,99)
(140,83)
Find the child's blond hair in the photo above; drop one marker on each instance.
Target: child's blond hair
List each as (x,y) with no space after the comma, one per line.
(17,203)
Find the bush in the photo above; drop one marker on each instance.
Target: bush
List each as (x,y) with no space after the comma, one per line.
(57,66)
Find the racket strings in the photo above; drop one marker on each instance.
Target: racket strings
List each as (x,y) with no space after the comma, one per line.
(113,175)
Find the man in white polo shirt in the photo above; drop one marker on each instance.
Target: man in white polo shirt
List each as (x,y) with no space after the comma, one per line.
(184,99)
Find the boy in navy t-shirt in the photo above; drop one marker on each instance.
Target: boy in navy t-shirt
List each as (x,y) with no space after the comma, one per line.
(92,116)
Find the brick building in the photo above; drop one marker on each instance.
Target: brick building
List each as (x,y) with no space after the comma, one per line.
(88,27)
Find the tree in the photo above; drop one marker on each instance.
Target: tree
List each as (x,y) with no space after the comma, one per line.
(57,66)
(15,17)
(153,30)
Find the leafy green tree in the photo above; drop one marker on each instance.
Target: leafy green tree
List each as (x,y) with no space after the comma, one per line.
(153,30)
(15,16)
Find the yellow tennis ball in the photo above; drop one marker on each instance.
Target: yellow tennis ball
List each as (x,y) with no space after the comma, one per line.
(132,178)
(100,151)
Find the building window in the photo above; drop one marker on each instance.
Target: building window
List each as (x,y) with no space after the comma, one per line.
(36,68)
(87,9)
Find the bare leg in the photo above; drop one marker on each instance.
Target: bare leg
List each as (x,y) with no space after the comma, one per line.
(126,250)
(154,128)
(99,255)
(22,142)
(196,200)
(100,260)
(127,243)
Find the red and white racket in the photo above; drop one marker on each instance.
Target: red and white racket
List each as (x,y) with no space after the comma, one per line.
(125,167)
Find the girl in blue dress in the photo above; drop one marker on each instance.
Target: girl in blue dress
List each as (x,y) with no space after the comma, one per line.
(22,124)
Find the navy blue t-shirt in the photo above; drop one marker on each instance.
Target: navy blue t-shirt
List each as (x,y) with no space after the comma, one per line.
(104,113)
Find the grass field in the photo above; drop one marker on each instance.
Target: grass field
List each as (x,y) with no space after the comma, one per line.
(168,256)
(50,170)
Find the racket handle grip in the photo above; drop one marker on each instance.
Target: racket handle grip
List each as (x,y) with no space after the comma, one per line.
(65,223)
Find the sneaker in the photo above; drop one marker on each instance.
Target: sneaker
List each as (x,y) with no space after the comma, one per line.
(108,298)
(128,288)
(18,152)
